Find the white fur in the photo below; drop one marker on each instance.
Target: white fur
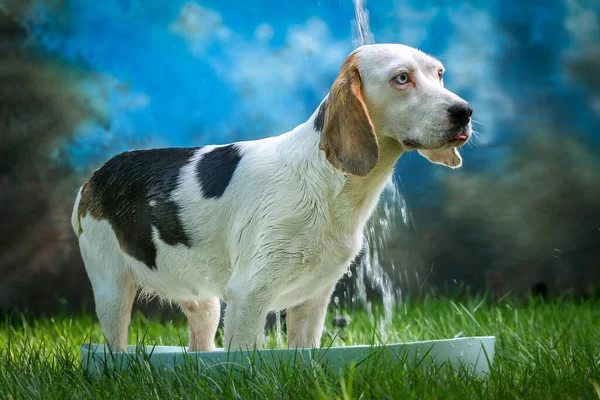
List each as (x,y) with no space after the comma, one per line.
(284,231)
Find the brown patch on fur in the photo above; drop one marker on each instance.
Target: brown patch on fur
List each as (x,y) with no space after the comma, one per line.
(82,209)
(348,137)
(88,204)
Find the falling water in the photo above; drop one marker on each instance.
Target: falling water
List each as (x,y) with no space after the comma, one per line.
(278,327)
(371,275)
(373,270)
(360,27)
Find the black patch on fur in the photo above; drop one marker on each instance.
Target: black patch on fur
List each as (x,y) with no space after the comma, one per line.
(320,120)
(215,170)
(127,185)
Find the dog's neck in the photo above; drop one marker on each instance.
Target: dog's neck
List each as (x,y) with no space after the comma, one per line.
(360,188)
(356,194)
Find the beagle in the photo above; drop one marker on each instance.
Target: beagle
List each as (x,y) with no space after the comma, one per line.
(269,224)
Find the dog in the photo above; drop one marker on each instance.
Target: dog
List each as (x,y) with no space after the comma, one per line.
(269,224)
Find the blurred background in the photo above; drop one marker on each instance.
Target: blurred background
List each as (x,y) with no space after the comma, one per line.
(82,80)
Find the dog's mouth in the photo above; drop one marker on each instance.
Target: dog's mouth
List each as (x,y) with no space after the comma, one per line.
(460,139)
(457,139)
(411,144)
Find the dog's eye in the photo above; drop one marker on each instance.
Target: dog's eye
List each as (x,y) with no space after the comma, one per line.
(441,74)
(401,79)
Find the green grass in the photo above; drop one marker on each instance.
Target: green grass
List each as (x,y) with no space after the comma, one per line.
(543,351)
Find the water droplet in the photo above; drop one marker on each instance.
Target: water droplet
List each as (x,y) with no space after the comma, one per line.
(278,327)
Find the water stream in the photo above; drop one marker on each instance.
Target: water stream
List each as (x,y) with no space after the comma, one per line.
(361,30)
(372,272)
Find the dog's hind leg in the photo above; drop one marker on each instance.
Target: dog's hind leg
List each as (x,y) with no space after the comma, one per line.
(114,293)
(203,318)
(114,298)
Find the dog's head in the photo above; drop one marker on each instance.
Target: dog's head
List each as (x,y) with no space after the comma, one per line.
(395,91)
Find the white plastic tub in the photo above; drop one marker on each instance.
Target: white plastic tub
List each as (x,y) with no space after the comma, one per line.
(474,353)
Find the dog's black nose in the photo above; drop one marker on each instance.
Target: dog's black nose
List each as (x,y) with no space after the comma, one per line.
(460,113)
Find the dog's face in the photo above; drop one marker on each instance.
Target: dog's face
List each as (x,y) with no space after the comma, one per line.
(406,99)
(395,91)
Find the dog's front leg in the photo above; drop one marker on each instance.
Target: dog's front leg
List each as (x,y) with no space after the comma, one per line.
(245,316)
(305,321)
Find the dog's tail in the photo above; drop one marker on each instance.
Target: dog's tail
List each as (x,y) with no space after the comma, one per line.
(75,222)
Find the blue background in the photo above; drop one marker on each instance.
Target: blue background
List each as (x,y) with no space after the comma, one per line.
(523,210)
(174,73)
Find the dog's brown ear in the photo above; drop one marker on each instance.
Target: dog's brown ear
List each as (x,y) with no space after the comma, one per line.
(348,137)
(448,157)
